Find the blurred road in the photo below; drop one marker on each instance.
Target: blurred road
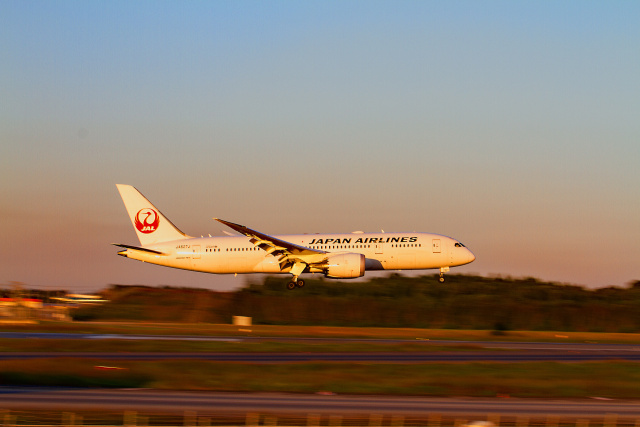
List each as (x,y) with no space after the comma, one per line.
(170,401)
(373,357)
(555,346)
(470,351)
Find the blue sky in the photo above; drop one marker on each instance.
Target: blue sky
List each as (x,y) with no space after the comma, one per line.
(512,126)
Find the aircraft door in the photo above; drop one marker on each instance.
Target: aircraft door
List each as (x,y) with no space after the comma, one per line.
(436,246)
(195,256)
(379,248)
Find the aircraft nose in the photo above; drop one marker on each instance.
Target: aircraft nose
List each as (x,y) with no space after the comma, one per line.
(470,256)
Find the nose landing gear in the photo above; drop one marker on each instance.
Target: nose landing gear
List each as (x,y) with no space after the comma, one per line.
(442,271)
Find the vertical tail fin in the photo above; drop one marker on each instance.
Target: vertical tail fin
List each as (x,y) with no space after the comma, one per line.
(150,225)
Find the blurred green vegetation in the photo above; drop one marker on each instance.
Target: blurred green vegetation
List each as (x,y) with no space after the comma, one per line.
(68,373)
(483,379)
(462,302)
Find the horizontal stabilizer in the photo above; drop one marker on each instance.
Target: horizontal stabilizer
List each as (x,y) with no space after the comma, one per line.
(136,248)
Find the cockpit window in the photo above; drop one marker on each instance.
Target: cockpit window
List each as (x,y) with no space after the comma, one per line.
(459,245)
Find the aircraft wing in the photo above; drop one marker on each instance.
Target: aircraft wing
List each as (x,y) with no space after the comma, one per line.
(266,242)
(288,253)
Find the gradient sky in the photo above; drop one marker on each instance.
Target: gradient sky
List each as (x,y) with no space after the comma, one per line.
(511,126)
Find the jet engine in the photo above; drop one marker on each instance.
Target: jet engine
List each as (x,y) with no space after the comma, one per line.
(344,266)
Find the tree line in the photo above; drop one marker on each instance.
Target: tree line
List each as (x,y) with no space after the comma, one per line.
(462,302)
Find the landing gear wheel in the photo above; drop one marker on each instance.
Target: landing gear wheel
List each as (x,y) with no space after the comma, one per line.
(291,285)
(300,283)
(441,279)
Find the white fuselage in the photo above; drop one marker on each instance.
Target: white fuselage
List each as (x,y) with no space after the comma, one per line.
(382,251)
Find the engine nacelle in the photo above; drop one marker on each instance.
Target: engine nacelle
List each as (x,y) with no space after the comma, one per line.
(344,266)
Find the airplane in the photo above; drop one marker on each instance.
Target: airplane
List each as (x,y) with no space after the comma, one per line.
(337,256)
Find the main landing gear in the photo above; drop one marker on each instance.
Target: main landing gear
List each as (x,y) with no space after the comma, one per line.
(295,284)
(296,270)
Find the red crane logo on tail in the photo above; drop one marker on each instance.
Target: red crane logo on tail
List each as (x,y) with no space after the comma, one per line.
(147,220)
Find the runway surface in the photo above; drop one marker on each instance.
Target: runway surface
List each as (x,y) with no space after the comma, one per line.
(371,357)
(170,401)
(494,351)
(514,345)
(494,344)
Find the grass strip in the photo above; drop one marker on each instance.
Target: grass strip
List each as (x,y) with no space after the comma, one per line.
(539,379)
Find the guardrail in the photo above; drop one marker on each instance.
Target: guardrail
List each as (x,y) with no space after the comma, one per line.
(14,418)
